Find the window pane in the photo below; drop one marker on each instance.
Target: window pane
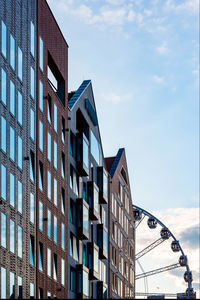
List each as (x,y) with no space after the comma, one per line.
(55,192)
(85,218)
(12,236)
(3,38)
(3,182)
(32,292)
(32,83)
(96,200)
(19,152)
(3,283)
(95,148)
(12,52)
(32,125)
(3,230)
(85,153)
(55,229)
(3,134)
(32,250)
(105,241)
(20,108)
(32,39)
(40,176)
(41,53)
(40,216)
(62,271)
(20,197)
(12,144)
(49,146)
(41,136)
(85,284)
(20,241)
(32,208)
(55,155)
(63,236)
(40,257)
(19,287)
(12,190)
(49,223)
(3,86)
(41,95)
(20,63)
(12,97)
(55,117)
(49,184)
(96,261)
(55,267)
(12,285)
(48,262)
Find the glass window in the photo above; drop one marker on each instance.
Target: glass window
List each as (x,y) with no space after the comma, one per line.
(63,236)
(32,208)
(3,134)
(40,256)
(41,136)
(63,165)
(72,279)
(41,95)
(71,245)
(12,236)
(95,148)
(55,117)
(105,184)
(96,260)
(85,284)
(40,175)
(84,256)
(96,200)
(85,152)
(3,283)
(19,152)
(105,241)
(49,185)
(3,230)
(12,143)
(49,146)
(12,52)
(32,125)
(41,53)
(55,155)
(40,215)
(32,250)
(63,130)
(12,190)
(20,287)
(32,290)
(62,271)
(49,109)
(20,63)
(19,108)
(3,182)
(32,83)
(12,286)
(55,267)
(20,241)
(55,191)
(49,262)
(12,97)
(55,229)
(3,38)
(63,201)
(85,218)
(49,223)
(3,86)
(19,197)
(32,39)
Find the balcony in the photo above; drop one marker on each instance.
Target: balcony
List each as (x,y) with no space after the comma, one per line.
(93,200)
(93,260)
(102,290)
(103,185)
(82,219)
(82,155)
(82,282)
(102,238)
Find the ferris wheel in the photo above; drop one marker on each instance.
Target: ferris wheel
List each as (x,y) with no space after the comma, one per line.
(165,234)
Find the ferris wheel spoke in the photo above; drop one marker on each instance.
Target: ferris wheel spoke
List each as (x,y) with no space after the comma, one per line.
(157,271)
(140,221)
(149,248)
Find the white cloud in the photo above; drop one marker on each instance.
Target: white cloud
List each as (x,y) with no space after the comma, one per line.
(113,16)
(162,49)
(188,6)
(115,2)
(112,97)
(158,79)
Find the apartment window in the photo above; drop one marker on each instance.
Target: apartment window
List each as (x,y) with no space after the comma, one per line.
(63,236)
(95,151)
(32,290)
(49,185)
(3,283)
(19,108)
(72,145)
(32,83)
(20,63)
(63,201)
(40,294)
(55,117)
(20,287)
(32,166)
(19,196)
(12,236)
(55,269)
(96,261)
(55,155)
(85,152)
(55,229)
(32,39)
(84,256)
(96,200)
(12,52)
(3,230)
(41,136)
(40,256)
(55,188)
(63,165)
(32,125)
(63,130)
(72,212)
(12,143)
(32,208)
(32,258)
(3,134)
(3,86)
(20,240)
(62,271)
(49,146)
(12,286)
(49,262)
(85,284)
(41,95)
(72,279)
(49,223)
(49,108)
(41,53)
(12,97)
(12,190)
(85,218)
(3,38)
(19,152)
(40,175)
(40,215)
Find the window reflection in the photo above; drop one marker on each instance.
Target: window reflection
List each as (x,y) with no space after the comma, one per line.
(3,283)
(12,52)
(20,108)
(20,241)
(3,38)
(3,230)
(12,97)
(12,190)
(12,285)
(3,182)
(32,83)
(12,236)
(96,260)
(19,197)
(41,53)
(41,95)
(49,223)
(85,218)
(32,39)
(12,144)
(32,208)
(20,64)
(96,200)
(3,134)
(95,148)
(49,146)
(85,284)
(3,86)
(19,152)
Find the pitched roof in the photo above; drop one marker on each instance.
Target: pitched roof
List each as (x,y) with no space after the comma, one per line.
(78,93)
(115,162)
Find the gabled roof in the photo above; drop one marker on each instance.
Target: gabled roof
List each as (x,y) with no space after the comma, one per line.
(115,162)
(78,93)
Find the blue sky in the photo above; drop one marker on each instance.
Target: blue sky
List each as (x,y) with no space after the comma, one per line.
(142,58)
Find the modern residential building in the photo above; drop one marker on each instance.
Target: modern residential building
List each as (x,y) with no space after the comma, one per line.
(121,229)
